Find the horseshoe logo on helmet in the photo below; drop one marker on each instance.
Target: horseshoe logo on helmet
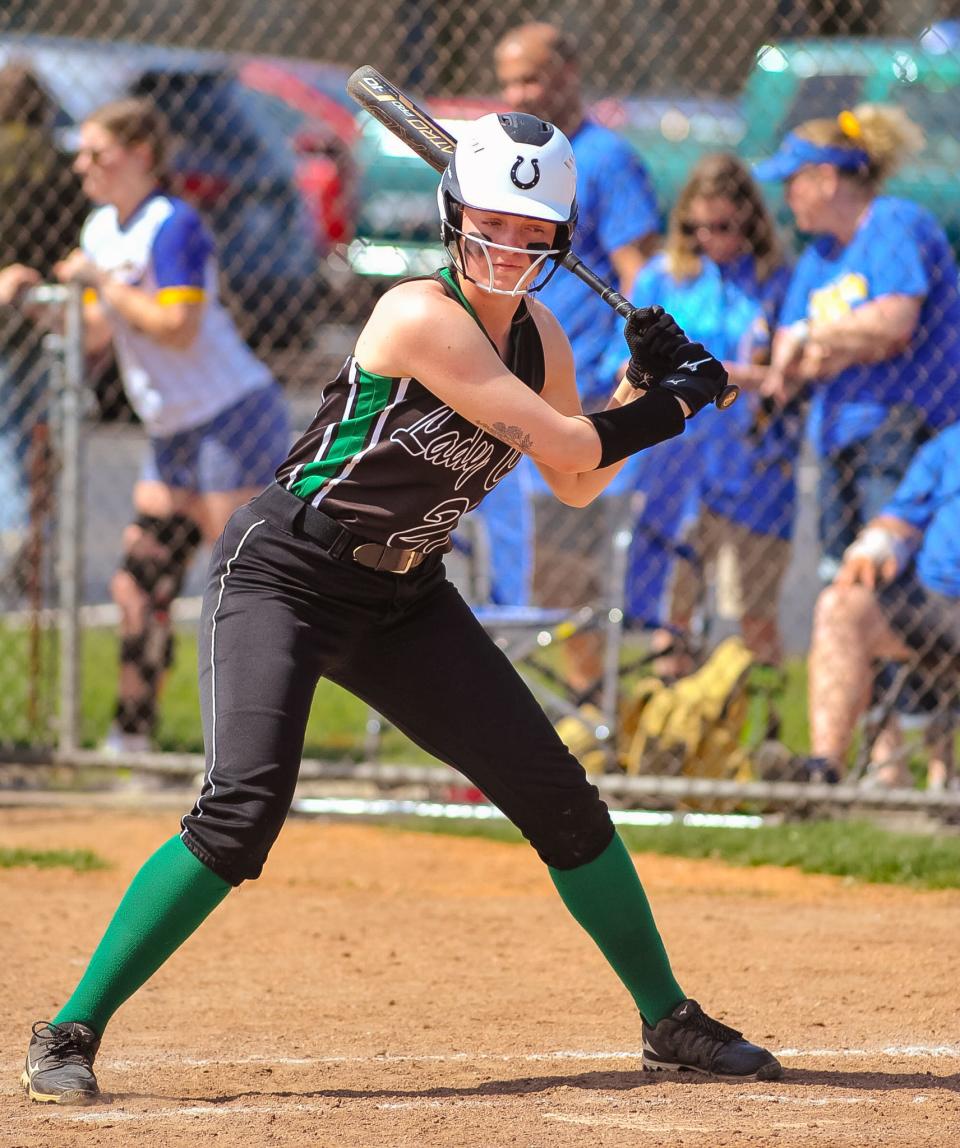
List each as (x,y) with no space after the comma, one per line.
(519,182)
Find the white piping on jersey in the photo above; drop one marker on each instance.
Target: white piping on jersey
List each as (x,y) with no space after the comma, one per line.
(398,398)
(208,779)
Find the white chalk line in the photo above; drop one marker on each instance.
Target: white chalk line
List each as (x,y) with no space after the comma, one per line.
(648,1121)
(651,1124)
(936,1052)
(123,1064)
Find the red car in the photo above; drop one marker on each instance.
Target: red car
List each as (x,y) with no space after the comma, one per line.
(321,130)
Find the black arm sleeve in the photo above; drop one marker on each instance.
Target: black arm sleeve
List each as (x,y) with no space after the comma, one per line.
(623,431)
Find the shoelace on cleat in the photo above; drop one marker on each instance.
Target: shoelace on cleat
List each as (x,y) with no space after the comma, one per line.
(64,1045)
(714,1028)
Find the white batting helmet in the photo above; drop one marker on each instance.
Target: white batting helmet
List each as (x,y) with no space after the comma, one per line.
(514,164)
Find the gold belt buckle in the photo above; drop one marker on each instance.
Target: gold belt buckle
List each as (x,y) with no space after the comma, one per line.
(361,554)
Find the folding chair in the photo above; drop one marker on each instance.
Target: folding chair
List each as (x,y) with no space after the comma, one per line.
(526,633)
(938,706)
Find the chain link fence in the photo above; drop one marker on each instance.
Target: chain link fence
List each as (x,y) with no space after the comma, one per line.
(314,210)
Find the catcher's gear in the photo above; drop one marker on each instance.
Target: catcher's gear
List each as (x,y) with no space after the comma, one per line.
(511,164)
(157,560)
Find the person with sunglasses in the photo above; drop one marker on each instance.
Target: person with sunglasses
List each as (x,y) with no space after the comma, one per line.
(871,323)
(724,495)
(216,420)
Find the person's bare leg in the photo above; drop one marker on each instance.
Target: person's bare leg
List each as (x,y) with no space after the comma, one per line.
(849,632)
(582,656)
(142,588)
(674,659)
(888,766)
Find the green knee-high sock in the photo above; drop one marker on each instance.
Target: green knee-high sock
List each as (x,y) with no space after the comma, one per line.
(167,900)
(606,897)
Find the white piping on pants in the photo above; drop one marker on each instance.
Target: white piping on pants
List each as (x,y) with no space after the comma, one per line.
(208,779)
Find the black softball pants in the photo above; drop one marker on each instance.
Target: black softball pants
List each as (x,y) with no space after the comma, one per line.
(279,612)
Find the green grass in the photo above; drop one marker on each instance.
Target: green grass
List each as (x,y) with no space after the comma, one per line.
(335,731)
(852,849)
(79,860)
(337,721)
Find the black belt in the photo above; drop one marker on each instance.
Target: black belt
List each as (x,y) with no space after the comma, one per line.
(290,511)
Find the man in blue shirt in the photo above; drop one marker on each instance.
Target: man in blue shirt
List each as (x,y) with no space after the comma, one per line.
(617,231)
(618,221)
(896,596)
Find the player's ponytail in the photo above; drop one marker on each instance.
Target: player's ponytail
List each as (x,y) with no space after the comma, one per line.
(889,137)
(885,133)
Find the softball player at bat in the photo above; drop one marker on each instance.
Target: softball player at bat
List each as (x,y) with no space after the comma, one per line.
(337,571)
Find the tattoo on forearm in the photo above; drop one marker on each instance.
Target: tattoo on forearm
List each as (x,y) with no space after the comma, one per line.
(517,437)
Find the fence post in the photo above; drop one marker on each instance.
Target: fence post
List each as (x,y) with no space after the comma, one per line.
(67,356)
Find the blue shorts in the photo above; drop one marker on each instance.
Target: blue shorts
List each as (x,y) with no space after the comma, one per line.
(240,447)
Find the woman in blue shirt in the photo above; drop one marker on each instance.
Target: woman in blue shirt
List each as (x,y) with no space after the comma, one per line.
(872,315)
(729,486)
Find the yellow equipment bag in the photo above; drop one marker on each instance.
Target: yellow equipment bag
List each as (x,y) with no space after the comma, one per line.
(694,725)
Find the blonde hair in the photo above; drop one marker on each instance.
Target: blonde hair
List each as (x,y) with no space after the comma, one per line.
(886,133)
(722,175)
(135,121)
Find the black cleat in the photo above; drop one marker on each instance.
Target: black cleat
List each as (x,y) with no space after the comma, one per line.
(59,1068)
(690,1041)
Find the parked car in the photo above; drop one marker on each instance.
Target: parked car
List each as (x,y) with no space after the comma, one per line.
(797,80)
(320,130)
(227,158)
(398,227)
(672,132)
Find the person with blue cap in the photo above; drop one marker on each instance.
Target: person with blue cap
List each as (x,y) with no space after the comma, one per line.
(871,320)
(872,315)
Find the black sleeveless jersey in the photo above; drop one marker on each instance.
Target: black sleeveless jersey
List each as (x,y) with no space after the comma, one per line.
(391,462)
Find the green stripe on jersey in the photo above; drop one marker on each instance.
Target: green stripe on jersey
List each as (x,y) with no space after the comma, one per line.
(375,393)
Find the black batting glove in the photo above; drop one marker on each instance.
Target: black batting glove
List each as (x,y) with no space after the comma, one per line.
(655,340)
(697,377)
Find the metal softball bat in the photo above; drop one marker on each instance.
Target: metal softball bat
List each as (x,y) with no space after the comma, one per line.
(435,145)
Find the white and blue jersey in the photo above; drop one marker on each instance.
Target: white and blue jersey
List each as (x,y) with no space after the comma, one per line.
(928,498)
(165,250)
(898,249)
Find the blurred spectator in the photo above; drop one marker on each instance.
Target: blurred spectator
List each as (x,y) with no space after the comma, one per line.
(41,207)
(216,420)
(896,596)
(538,72)
(872,316)
(724,498)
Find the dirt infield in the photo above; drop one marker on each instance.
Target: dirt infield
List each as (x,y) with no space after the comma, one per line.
(379,989)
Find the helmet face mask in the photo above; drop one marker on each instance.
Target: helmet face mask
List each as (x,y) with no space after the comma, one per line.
(514,165)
